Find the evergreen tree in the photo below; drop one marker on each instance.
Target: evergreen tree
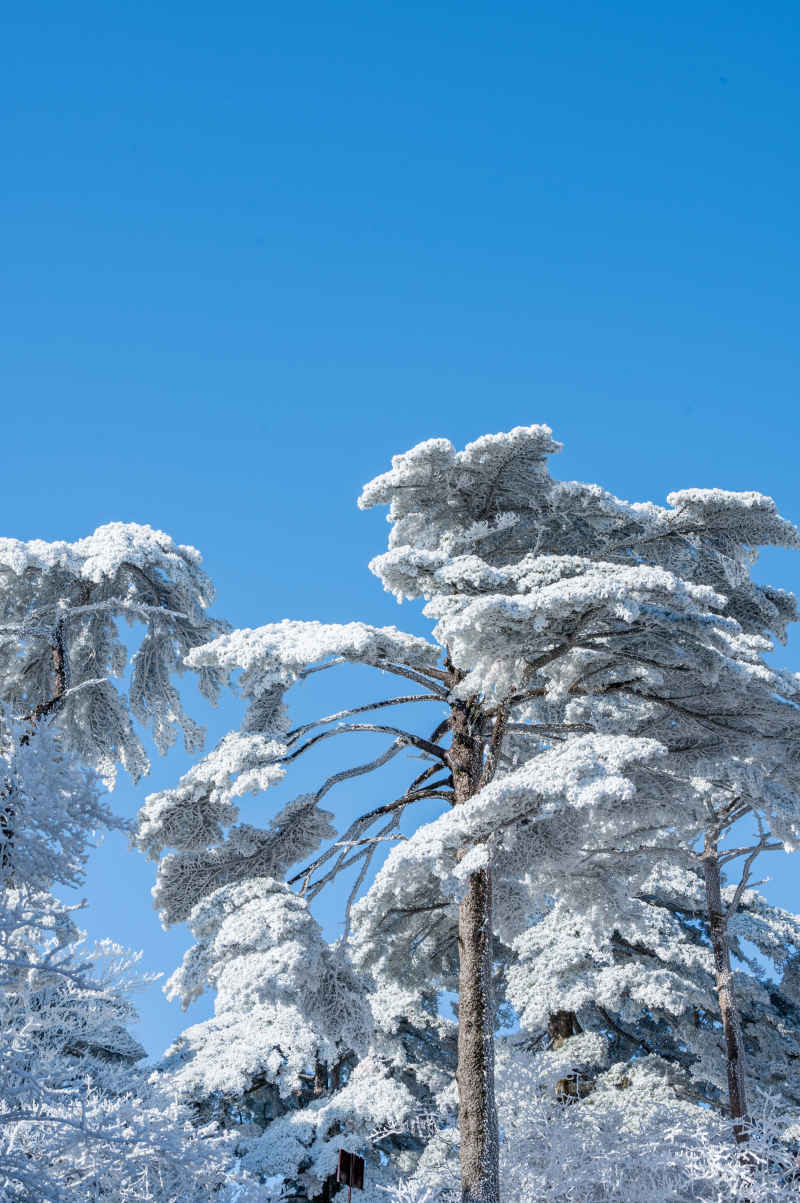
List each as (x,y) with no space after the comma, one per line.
(78,1119)
(569,628)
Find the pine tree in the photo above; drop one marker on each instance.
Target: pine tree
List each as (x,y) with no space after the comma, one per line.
(60,645)
(78,1118)
(566,624)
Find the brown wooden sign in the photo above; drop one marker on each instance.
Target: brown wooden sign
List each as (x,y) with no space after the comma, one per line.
(350,1170)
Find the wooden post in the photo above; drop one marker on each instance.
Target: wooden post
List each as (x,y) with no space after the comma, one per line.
(350,1171)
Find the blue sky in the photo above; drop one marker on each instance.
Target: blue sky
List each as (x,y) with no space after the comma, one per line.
(252,250)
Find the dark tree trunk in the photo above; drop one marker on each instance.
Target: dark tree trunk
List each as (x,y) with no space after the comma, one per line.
(561,1025)
(59,664)
(320,1079)
(477,1110)
(731,1027)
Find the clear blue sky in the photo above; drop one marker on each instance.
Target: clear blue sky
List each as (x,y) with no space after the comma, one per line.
(251,250)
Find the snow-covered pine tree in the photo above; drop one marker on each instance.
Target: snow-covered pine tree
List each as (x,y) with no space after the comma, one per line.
(731,726)
(654,975)
(289,1017)
(290,1036)
(648,988)
(78,1118)
(713,703)
(61,650)
(637,665)
(541,590)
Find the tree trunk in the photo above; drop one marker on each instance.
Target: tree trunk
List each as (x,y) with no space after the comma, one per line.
(561,1025)
(477,1110)
(731,1028)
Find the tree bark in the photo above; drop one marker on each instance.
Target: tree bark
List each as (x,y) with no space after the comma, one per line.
(477,1109)
(731,1027)
(561,1025)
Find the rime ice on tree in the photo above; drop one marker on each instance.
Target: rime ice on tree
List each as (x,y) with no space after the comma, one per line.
(597,693)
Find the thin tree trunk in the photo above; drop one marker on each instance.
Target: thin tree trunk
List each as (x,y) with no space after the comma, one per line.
(731,1027)
(477,1109)
(59,660)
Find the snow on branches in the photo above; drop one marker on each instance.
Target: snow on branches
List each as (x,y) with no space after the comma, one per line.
(604,716)
(506,825)
(284,998)
(60,645)
(54,803)
(78,1119)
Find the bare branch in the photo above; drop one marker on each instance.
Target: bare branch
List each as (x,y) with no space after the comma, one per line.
(548,657)
(525,696)
(420,675)
(383,834)
(537,728)
(415,910)
(360,769)
(368,839)
(440,730)
(428,772)
(54,703)
(734,853)
(347,728)
(320,668)
(748,864)
(340,865)
(332,718)
(360,824)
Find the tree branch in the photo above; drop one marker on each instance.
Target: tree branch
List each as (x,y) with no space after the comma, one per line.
(347,728)
(499,728)
(415,910)
(360,824)
(535,728)
(332,718)
(383,834)
(420,675)
(733,853)
(360,769)
(740,889)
